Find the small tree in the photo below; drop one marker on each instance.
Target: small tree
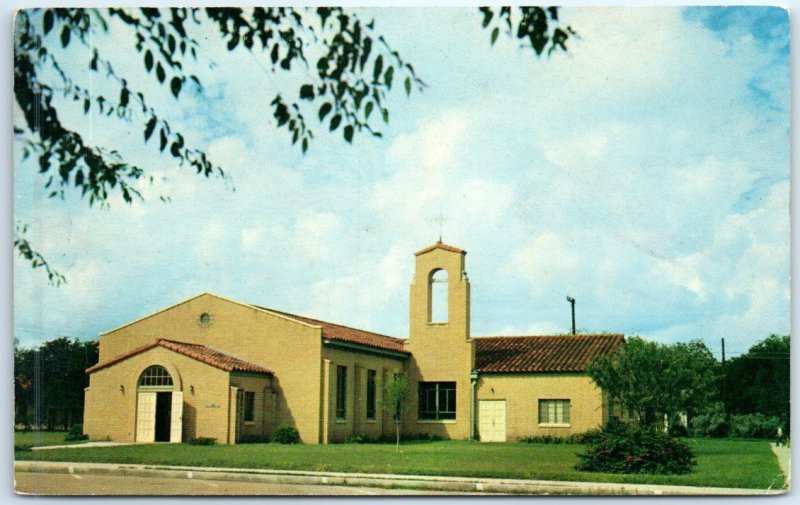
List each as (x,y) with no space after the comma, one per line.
(394,393)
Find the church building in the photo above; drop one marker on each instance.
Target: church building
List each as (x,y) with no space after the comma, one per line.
(213,367)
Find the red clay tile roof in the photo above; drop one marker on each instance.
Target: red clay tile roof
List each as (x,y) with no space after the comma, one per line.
(561,353)
(346,334)
(440,245)
(195,351)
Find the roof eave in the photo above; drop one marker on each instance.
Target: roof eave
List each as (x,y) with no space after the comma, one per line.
(368,349)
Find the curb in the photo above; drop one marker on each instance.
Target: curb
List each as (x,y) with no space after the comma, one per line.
(421,482)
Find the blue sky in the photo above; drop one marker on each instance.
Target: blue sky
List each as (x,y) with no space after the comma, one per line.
(645,173)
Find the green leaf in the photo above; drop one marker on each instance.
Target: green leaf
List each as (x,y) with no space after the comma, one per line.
(160,74)
(307,92)
(163,140)
(65,34)
(233,42)
(124,95)
(495,33)
(175,85)
(487,16)
(324,110)
(86,104)
(305,145)
(376,72)
(408,85)
(335,120)
(368,110)
(148,60)
(348,133)
(274,54)
(148,130)
(388,76)
(385,115)
(48,21)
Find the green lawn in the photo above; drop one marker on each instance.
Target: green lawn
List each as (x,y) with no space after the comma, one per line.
(37,438)
(722,463)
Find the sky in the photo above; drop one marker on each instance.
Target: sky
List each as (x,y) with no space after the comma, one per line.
(645,173)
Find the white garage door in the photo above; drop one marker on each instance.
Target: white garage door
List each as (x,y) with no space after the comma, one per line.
(492,420)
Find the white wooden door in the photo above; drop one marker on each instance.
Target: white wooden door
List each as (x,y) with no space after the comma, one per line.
(492,420)
(176,418)
(146,417)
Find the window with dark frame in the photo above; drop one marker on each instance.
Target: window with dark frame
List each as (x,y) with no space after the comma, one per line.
(249,406)
(371,397)
(341,392)
(554,412)
(437,400)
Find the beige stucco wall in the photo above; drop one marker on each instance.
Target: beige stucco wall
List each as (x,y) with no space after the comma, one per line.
(355,421)
(292,350)
(263,414)
(440,351)
(522,392)
(111,412)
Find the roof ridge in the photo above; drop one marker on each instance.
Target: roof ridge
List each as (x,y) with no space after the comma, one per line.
(440,245)
(193,352)
(565,335)
(289,314)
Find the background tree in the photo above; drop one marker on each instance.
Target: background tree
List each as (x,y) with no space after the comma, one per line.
(759,380)
(50,381)
(394,394)
(346,67)
(657,380)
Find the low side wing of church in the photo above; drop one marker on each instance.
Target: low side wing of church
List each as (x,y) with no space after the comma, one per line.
(218,368)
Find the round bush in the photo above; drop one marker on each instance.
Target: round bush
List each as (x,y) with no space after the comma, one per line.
(628,449)
(286,434)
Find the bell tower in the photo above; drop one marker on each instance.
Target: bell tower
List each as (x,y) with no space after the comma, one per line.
(440,294)
(442,352)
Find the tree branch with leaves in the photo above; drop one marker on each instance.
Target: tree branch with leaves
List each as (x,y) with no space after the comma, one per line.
(347,69)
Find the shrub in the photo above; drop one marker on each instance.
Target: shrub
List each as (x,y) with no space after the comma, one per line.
(710,424)
(253,439)
(202,441)
(754,426)
(354,439)
(630,449)
(575,438)
(286,434)
(75,433)
(678,430)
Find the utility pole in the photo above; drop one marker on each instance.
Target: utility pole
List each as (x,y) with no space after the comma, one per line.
(572,301)
(724,385)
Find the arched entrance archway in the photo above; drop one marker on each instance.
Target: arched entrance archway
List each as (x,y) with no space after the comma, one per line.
(159,407)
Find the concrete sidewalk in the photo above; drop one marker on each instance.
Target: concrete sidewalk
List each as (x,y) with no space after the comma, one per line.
(80,446)
(422,482)
(784,455)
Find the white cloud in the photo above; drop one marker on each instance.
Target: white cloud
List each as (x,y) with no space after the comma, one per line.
(316,234)
(636,173)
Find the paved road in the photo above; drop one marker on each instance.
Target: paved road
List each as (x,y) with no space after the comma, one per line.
(73,484)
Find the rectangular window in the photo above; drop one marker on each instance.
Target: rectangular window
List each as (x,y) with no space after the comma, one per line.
(553,411)
(371,398)
(249,406)
(437,400)
(341,391)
